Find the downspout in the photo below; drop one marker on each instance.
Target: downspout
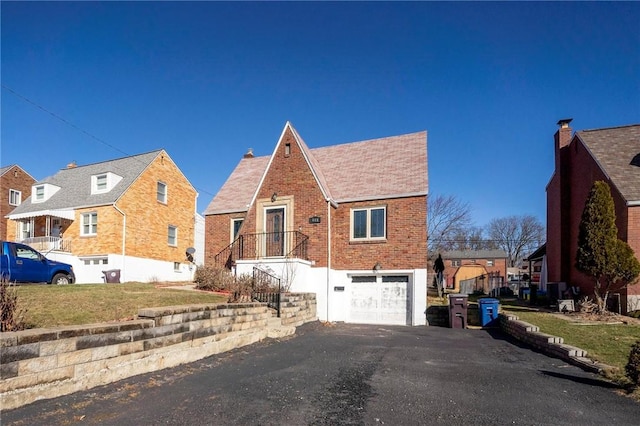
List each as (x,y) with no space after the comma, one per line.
(124,236)
(328,253)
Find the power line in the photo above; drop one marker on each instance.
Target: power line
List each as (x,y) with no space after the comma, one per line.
(67,122)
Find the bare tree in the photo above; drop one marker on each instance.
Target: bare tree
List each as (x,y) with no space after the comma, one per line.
(516,235)
(447,218)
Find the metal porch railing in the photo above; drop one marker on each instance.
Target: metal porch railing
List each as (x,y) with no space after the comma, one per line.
(266,289)
(289,244)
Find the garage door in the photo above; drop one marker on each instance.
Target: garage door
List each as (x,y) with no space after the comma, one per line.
(380,300)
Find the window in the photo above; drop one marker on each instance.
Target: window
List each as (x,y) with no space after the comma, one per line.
(89,224)
(235,228)
(490,262)
(101,183)
(15,197)
(104,182)
(172,233)
(161,192)
(455,263)
(176,266)
(26,253)
(368,224)
(287,149)
(39,193)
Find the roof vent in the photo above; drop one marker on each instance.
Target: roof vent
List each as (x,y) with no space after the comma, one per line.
(249,153)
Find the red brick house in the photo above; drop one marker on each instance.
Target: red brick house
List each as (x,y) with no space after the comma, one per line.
(611,155)
(347,222)
(485,270)
(15,187)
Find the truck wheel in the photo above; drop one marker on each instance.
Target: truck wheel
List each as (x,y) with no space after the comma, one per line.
(60,279)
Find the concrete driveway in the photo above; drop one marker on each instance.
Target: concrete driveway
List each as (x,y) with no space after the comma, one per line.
(353,375)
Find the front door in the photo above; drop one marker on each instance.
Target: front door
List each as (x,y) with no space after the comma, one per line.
(274,238)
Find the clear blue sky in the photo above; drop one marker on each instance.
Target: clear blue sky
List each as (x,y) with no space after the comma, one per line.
(207,80)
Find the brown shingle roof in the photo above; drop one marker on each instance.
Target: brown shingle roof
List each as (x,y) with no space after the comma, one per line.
(374,169)
(617,151)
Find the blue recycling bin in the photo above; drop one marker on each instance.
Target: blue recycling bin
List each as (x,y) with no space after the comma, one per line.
(488,309)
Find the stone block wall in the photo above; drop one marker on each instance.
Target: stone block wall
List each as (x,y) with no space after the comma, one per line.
(547,344)
(298,308)
(47,363)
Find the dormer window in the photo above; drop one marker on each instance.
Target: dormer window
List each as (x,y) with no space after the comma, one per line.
(41,193)
(104,182)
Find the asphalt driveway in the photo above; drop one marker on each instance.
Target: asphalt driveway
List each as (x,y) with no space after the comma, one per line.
(353,375)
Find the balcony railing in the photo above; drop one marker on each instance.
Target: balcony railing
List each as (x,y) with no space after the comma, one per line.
(289,244)
(47,244)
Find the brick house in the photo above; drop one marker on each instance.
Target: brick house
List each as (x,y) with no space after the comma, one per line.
(611,155)
(15,183)
(482,270)
(135,214)
(347,222)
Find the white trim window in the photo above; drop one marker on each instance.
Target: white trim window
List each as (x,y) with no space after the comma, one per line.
(161,192)
(15,197)
(490,262)
(369,224)
(104,182)
(89,224)
(172,235)
(100,183)
(39,193)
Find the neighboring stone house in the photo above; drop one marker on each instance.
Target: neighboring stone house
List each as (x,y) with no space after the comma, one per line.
(347,222)
(134,215)
(482,270)
(611,155)
(15,186)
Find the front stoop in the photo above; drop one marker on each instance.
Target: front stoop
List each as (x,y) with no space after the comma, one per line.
(275,329)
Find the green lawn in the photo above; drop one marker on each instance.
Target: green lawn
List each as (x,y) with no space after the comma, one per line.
(605,343)
(58,305)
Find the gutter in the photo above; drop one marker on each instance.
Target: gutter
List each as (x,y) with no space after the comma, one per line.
(328,253)
(124,236)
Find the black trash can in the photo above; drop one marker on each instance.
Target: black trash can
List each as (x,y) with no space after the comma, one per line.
(458,310)
(488,308)
(112,276)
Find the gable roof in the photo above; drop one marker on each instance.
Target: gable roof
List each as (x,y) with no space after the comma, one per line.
(617,152)
(75,185)
(390,167)
(5,169)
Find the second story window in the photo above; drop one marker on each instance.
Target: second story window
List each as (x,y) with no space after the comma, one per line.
(39,193)
(89,224)
(369,223)
(490,262)
(161,192)
(101,183)
(15,197)
(455,263)
(172,235)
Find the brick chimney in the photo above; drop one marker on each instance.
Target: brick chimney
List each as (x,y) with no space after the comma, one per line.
(72,165)
(249,153)
(562,139)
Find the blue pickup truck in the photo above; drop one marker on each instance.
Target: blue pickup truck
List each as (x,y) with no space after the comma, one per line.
(21,263)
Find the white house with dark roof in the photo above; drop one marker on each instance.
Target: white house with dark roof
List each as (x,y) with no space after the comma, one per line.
(135,216)
(346,222)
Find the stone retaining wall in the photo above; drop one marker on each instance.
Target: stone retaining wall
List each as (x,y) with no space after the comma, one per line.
(550,345)
(47,363)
